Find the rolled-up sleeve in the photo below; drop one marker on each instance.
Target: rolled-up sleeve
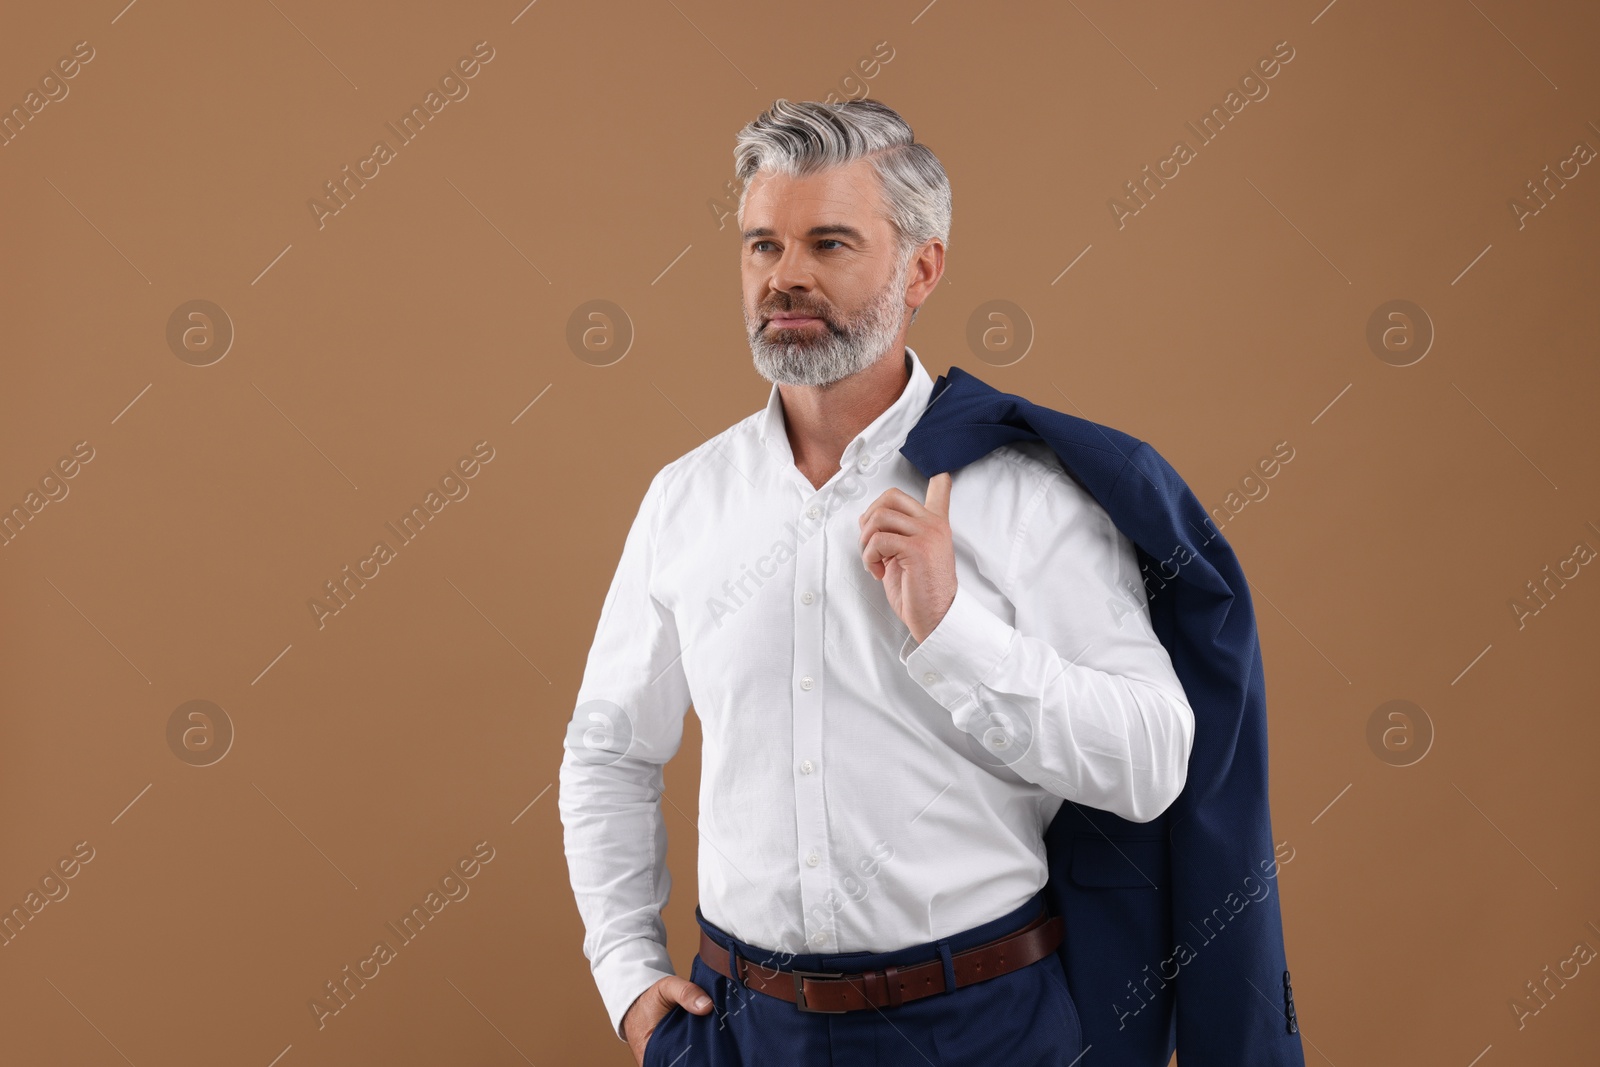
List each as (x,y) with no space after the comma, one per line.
(1080,696)
(627,724)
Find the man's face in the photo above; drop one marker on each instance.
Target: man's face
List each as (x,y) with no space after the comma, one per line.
(824,284)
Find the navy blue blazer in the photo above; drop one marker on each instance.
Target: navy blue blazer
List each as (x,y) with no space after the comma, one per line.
(1174,937)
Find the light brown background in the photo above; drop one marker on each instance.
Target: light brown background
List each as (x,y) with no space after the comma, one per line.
(428,715)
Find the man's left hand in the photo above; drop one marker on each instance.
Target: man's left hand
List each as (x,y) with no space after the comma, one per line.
(908,546)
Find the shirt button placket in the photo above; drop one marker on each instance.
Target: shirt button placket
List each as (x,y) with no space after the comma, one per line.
(810,680)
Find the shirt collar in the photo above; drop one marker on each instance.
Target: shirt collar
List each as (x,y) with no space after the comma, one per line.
(889,428)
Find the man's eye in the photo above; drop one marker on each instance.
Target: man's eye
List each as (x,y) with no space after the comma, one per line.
(763,246)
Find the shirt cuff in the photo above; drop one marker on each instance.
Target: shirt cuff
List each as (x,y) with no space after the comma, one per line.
(959,653)
(626,971)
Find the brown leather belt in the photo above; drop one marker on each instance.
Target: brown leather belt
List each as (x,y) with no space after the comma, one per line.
(839,991)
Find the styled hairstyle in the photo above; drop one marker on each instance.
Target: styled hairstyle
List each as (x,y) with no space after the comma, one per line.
(798,138)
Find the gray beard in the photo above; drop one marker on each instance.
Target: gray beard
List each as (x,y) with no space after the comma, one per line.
(839,351)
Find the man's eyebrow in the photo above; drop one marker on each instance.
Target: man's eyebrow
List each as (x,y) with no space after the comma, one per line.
(834,228)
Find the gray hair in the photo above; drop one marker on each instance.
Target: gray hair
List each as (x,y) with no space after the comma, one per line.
(798,138)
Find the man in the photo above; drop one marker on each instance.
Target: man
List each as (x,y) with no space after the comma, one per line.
(850,633)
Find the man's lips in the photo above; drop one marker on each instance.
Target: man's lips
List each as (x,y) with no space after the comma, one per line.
(789,321)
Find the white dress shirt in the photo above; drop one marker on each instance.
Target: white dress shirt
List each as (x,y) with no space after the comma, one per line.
(858,791)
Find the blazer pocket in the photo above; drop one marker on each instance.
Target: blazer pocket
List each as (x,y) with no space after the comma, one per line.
(1139,862)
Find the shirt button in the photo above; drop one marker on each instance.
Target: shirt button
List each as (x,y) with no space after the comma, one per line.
(865,463)
(805,767)
(807,597)
(931,677)
(818,938)
(812,860)
(805,683)
(813,511)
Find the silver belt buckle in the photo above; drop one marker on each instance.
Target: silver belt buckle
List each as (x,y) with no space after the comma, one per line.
(800,995)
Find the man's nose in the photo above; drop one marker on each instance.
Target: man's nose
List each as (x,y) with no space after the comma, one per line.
(792,271)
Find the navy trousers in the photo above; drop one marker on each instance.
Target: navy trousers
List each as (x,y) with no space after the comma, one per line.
(1025,1018)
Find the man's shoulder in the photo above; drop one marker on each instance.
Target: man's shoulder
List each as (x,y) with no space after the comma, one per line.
(1034,463)
(1111,456)
(719,456)
(1029,493)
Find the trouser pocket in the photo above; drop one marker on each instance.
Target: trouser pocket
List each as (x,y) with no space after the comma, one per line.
(1057,976)
(658,1037)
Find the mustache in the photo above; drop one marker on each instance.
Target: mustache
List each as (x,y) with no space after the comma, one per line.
(789,307)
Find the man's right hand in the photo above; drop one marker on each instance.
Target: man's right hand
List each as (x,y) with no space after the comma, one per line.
(640,1020)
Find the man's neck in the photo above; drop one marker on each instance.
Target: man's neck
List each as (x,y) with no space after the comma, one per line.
(821,420)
